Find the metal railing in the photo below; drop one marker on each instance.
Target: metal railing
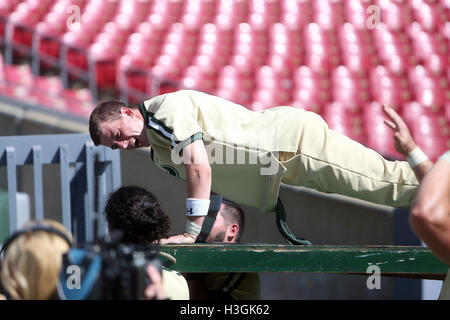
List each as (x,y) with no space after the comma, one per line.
(87,175)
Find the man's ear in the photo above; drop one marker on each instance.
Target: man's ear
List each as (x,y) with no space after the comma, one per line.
(232,232)
(126,111)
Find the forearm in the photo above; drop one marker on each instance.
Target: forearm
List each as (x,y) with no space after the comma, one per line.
(198,176)
(198,181)
(430,215)
(422,169)
(198,185)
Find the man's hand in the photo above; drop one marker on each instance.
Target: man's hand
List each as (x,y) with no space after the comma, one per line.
(183,238)
(404,142)
(155,290)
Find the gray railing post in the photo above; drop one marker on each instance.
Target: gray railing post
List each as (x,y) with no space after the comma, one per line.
(12,185)
(37,177)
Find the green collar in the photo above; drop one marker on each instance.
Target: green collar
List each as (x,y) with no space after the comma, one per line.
(145,114)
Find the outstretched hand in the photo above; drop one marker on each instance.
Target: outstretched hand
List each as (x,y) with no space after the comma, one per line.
(404,142)
(183,238)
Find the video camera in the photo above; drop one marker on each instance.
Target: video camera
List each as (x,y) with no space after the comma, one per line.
(107,270)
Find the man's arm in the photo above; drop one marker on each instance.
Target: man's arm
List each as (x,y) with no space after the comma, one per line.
(198,174)
(198,184)
(404,142)
(430,215)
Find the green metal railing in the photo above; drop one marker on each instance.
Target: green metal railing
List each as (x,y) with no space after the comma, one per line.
(406,261)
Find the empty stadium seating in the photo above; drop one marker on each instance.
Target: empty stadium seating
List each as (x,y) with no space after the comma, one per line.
(342,59)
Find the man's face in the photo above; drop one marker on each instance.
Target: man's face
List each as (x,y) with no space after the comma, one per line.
(127,132)
(221,231)
(217,233)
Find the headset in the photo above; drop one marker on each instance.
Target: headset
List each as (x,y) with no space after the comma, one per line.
(30,229)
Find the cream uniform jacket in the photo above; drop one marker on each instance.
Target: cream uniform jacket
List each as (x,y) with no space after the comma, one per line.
(251,153)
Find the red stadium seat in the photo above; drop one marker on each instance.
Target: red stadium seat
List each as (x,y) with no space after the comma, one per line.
(215,43)
(234,77)
(18,81)
(79,102)
(47,42)
(102,64)
(395,15)
(166,76)
(285,43)
(349,88)
(356,13)
(6,8)
(344,120)
(266,98)
(236,83)
(235,10)
(169,10)
(411,111)
(430,124)
(47,92)
(133,79)
(388,87)
(328,14)
(74,52)
(430,15)
(236,95)
(429,89)
(447,111)
(20,28)
(311,89)
(274,79)
(202,11)
(200,78)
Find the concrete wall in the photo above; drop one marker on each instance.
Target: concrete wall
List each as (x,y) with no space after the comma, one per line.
(323,219)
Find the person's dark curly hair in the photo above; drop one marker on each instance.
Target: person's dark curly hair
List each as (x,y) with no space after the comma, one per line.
(137,213)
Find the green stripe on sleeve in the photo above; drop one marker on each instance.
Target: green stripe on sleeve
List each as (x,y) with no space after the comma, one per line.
(188,141)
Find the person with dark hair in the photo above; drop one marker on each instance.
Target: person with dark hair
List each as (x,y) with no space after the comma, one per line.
(192,134)
(136,212)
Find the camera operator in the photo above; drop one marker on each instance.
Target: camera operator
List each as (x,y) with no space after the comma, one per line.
(137,214)
(32,259)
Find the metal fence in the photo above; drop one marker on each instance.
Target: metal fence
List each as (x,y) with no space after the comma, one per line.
(87,175)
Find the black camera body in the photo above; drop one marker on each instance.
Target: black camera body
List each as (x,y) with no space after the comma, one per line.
(107,270)
(125,272)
